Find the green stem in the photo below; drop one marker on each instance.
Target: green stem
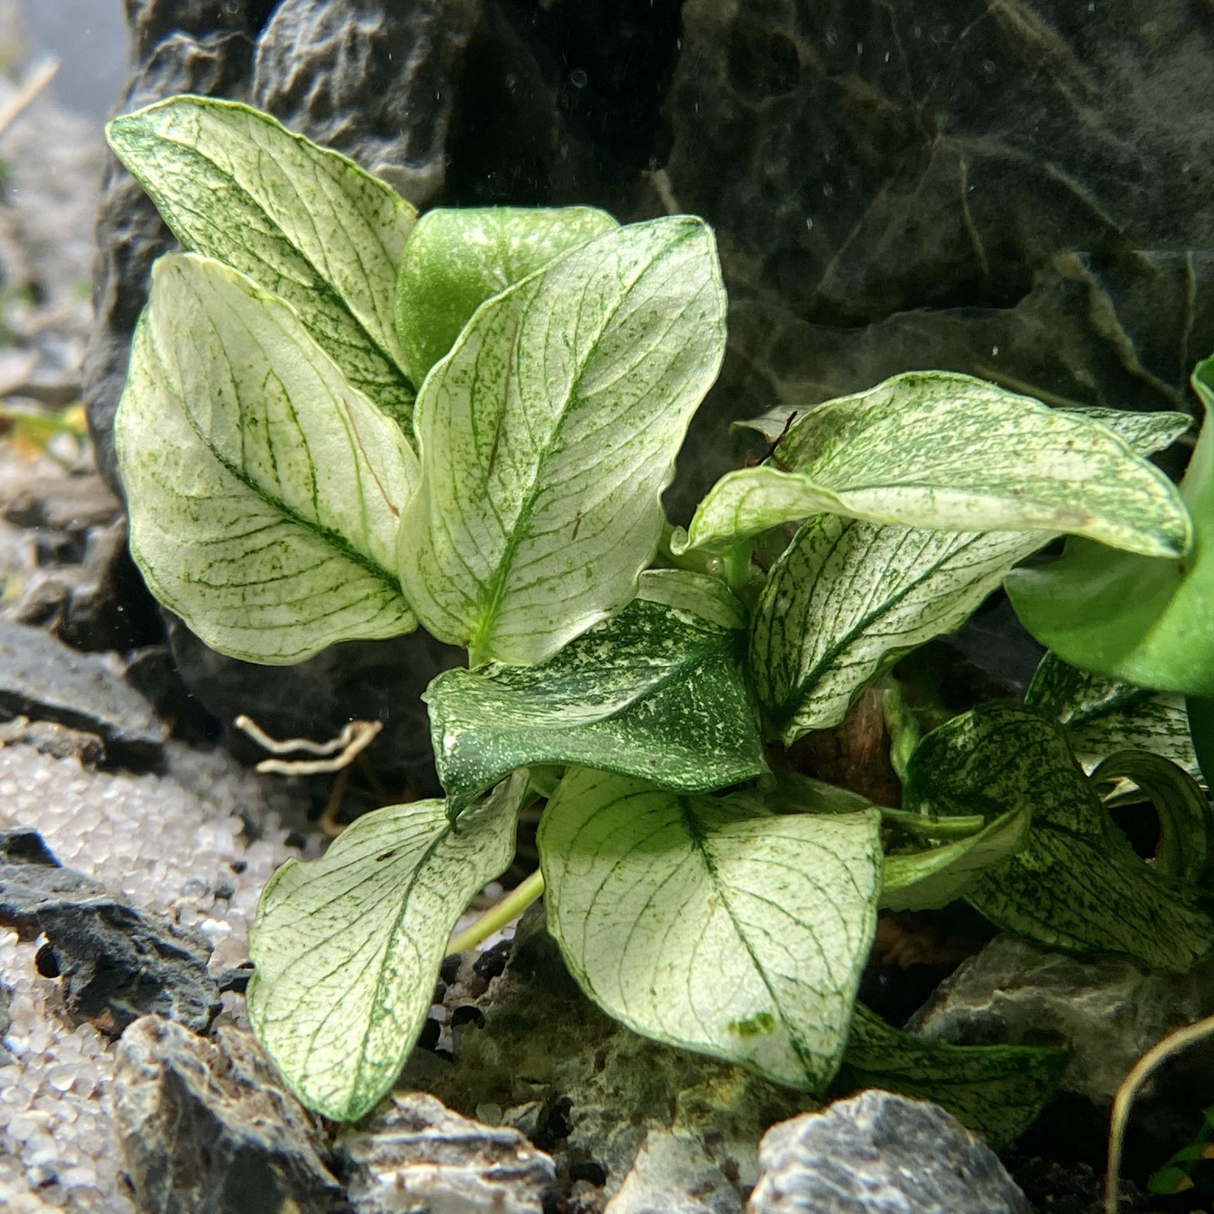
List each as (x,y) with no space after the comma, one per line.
(903,728)
(476,657)
(496,917)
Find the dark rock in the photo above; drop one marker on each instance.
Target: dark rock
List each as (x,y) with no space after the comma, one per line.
(153,673)
(1003,190)
(117,961)
(42,679)
(417,1156)
(61,503)
(587,1090)
(375,79)
(207,1127)
(107,606)
(878,1153)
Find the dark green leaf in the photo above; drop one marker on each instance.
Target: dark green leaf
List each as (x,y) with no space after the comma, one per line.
(656,692)
(996,1090)
(1077,885)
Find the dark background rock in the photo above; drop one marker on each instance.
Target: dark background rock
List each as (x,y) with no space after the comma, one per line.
(1014,189)
(117,961)
(42,679)
(207,1127)
(878,1153)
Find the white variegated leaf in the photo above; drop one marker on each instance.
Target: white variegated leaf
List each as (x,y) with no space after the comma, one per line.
(939,450)
(301,221)
(264,491)
(347,948)
(848,598)
(712,923)
(548,434)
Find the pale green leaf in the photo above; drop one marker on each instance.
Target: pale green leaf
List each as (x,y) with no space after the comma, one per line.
(940,450)
(1077,885)
(548,434)
(1144,432)
(849,598)
(347,948)
(656,692)
(264,491)
(708,923)
(995,1090)
(301,221)
(1103,716)
(928,880)
(459,257)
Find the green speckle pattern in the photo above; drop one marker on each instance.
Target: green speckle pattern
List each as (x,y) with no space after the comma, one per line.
(686,917)
(347,948)
(265,492)
(548,434)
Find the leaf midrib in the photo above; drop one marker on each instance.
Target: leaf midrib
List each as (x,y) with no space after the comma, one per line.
(333,538)
(321,284)
(492,592)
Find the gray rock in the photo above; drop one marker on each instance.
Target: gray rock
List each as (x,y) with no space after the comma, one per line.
(674,1174)
(61,503)
(178,46)
(1107,1011)
(207,1128)
(590,1092)
(117,961)
(878,1153)
(417,1156)
(51,738)
(376,79)
(42,679)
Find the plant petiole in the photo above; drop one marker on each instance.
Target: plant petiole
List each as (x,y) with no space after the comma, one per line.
(496,917)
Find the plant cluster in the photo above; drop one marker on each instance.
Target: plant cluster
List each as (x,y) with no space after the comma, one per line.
(343,421)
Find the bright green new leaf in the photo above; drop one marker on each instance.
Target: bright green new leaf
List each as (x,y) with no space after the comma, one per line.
(548,434)
(457,258)
(995,1090)
(347,948)
(1077,885)
(944,451)
(1145,620)
(301,221)
(928,880)
(711,924)
(1103,716)
(849,598)
(265,492)
(656,691)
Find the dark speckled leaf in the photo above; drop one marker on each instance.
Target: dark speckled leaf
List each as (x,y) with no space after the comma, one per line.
(997,1090)
(1077,885)
(657,691)
(1103,716)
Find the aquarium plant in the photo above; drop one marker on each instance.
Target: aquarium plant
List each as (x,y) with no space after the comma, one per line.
(344,421)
